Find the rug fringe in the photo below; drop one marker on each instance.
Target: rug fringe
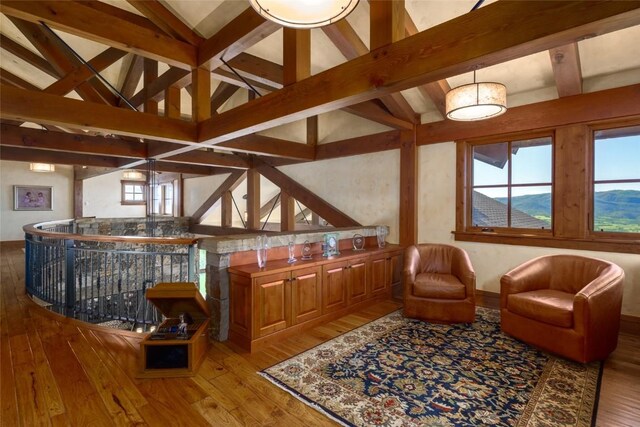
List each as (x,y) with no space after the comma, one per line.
(304,400)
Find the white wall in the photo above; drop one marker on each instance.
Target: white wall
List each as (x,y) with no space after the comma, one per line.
(18,173)
(101,196)
(436,216)
(365,187)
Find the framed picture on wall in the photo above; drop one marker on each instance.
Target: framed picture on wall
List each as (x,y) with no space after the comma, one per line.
(32,198)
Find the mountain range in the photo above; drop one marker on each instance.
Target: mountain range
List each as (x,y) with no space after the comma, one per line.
(621,204)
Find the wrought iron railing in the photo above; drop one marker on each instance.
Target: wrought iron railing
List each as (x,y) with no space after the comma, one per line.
(100,278)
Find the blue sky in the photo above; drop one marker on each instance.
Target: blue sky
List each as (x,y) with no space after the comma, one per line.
(616,158)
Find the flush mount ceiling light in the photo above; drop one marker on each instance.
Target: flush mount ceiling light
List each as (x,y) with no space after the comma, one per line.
(42,167)
(304,13)
(132,175)
(476,101)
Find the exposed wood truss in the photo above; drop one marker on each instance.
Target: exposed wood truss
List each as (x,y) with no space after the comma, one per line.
(368,84)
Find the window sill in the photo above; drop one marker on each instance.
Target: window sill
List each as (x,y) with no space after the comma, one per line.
(602,245)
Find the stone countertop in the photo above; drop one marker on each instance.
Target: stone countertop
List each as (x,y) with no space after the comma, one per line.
(247,242)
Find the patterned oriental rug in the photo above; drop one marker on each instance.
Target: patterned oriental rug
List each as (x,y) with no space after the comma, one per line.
(402,372)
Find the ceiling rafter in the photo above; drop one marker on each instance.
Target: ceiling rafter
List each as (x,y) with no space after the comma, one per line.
(82,73)
(132,77)
(11,79)
(166,20)
(27,55)
(63,61)
(567,72)
(85,21)
(223,92)
(234,38)
(435,91)
(345,38)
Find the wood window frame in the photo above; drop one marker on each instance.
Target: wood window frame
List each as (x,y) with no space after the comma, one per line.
(162,199)
(572,189)
(468,223)
(123,201)
(608,126)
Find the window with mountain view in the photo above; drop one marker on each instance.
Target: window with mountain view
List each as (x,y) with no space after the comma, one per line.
(616,180)
(512,184)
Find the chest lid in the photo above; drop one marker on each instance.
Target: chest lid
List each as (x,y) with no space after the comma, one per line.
(175,298)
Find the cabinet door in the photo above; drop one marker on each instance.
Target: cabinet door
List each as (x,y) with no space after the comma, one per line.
(380,276)
(271,299)
(306,295)
(396,265)
(357,279)
(334,287)
(240,305)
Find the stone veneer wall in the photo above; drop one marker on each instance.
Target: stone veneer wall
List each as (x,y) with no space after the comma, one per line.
(165,226)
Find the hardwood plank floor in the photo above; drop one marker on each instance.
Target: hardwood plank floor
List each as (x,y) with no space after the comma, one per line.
(57,371)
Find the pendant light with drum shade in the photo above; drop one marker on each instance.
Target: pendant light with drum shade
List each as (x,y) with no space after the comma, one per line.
(476,101)
(304,14)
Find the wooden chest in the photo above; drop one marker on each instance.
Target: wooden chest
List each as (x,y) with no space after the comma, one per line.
(166,352)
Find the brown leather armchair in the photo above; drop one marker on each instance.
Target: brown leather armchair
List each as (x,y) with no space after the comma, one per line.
(439,284)
(565,304)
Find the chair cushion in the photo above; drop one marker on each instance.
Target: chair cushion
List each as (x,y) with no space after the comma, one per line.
(544,305)
(434,285)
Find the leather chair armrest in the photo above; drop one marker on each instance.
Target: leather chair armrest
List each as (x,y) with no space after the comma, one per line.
(463,269)
(530,276)
(597,306)
(411,267)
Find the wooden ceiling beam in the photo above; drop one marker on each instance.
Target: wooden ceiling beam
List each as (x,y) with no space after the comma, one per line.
(258,69)
(260,144)
(82,73)
(154,90)
(28,56)
(296,55)
(588,107)
(9,78)
(57,157)
(359,145)
(63,61)
(330,213)
(166,20)
(241,33)
(120,13)
(567,72)
(372,111)
(435,91)
(132,78)
(345,38)
(38,107)
(223,92)
(499,32)
(229,184)
(82,20)
(60,141)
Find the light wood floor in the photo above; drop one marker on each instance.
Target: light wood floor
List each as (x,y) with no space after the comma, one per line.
(57,371)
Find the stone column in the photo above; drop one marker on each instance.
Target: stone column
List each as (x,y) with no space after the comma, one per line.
(218,294)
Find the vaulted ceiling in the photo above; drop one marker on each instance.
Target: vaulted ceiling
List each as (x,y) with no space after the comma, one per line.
(183,71)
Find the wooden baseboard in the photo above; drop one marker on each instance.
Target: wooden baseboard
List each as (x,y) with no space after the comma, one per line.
(628,324)
(488,299)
